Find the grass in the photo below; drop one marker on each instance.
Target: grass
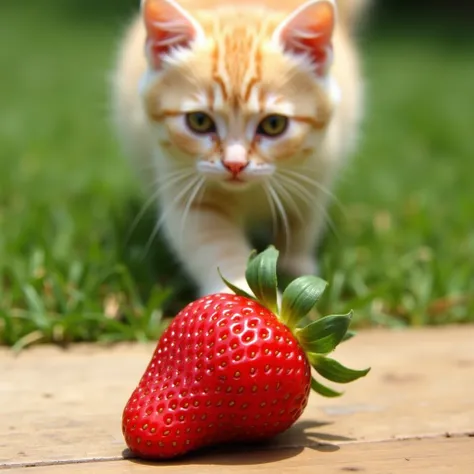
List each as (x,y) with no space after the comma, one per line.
(403,253)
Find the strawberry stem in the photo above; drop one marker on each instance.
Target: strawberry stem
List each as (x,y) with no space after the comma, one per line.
(317,338)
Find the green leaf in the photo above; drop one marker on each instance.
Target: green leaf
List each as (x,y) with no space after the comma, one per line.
(333,370)
(324,335)
(349,335)
(27,340)
(299,297)
(261,277)
(323,390)
(252,255)
(238,291)
(304,321)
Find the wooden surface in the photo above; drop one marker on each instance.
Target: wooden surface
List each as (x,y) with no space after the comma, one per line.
(451,456)
(60,411)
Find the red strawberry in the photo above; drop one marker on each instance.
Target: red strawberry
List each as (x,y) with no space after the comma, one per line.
(229,369)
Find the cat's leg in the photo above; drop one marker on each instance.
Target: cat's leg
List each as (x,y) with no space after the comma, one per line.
(208,239)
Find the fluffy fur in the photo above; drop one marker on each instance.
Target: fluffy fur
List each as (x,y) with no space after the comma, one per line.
(238,63)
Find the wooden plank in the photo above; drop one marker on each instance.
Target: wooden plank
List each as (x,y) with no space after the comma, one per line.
(434,456)
(58,405)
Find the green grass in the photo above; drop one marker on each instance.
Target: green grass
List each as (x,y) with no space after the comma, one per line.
(404,249)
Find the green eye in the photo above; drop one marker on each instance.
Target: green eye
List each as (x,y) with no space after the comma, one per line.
(200,122)
(273,125)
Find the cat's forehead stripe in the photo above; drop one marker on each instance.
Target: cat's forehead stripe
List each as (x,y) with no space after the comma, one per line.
(218,75)
(236,65)
(253,76)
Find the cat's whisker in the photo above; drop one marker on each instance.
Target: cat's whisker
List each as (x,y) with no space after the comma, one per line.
(317,186)
(153,167)
(315,183)
(165,184)
(309,199)
(185,171)
(328,220)
(176,178)
(151,200)
(189,203)
(199,201)
(273,213)
(172,173)
(289,199)
(305,178)
(170,208)
(283,215)
(202,193)
(307,196)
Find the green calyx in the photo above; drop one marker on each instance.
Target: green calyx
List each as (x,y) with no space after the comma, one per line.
(318,338)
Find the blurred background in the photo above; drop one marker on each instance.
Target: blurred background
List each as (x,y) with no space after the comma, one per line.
(401,248)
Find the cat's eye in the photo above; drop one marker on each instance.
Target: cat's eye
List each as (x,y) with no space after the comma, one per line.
(273,125)
(200,122)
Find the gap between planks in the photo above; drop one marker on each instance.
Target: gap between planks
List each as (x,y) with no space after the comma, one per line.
(319,446)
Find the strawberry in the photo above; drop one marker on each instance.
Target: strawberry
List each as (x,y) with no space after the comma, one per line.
(233,367)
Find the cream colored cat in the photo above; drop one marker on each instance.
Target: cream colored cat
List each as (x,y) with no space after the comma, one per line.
(239,113)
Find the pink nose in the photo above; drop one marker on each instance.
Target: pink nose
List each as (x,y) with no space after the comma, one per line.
(235,167)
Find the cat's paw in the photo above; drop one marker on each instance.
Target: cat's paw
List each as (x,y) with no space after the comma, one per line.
(296,266)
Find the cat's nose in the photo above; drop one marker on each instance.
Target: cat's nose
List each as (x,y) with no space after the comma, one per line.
(235,158)
(235,167)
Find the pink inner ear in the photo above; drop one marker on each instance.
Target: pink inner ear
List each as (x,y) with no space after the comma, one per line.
(167,28)
(309,32)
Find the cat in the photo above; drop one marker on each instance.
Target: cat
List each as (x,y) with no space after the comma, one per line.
(239,114)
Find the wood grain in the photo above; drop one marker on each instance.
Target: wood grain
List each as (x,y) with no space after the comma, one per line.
(433,456)
(65,405)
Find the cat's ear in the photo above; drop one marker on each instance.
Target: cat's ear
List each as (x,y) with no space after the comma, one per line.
(308,31)
(168,26)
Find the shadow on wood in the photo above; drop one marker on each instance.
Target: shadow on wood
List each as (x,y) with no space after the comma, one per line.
(288,445)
